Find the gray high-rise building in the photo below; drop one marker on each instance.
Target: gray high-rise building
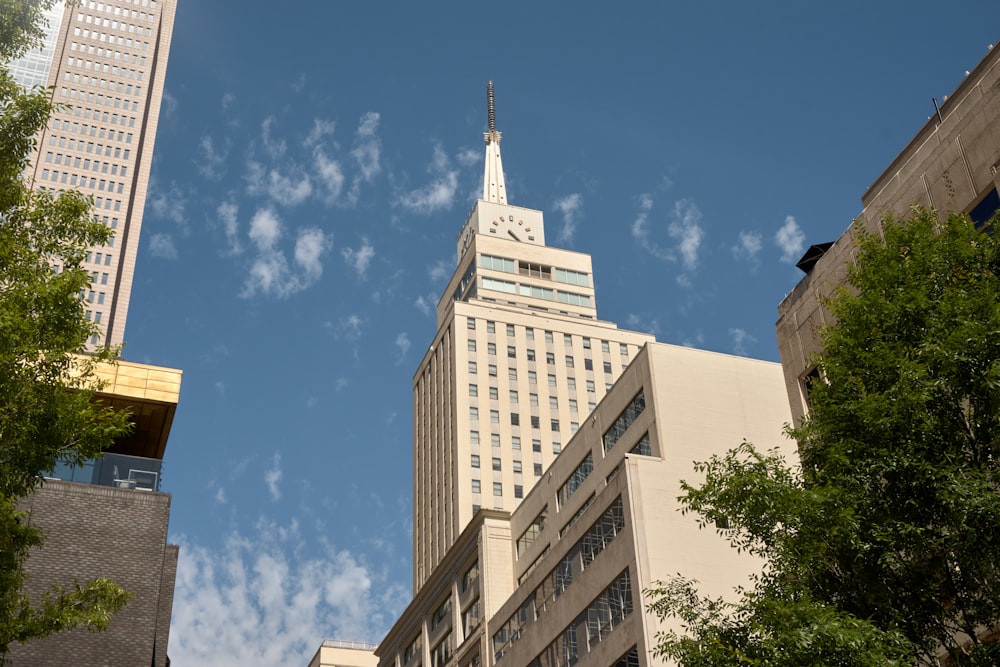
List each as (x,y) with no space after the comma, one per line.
(105,63)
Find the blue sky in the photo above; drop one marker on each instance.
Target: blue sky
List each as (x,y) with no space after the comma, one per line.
(314,164)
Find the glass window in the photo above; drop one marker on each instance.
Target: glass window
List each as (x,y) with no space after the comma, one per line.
(510,330)
(496,463)
(491,327)
(493,370)
(475,486)
(513,396)
(550,358)
(532,377)
(472,345)
(538,470)
(474,437)
(497,489)
(569,361)
(624,420)
(529,333)
(494,417)
(548,336)
(494,393)
(588,364)
(491,348)
(474,413)
(605,346)
(515,419)
(576,479)
(536,445)
(552,380)
(473,390)
(554,424)
(607,367)
(590,386)
(495,439)
(511,352)
(470,323)
(553,403)
(472,368)
(571,383)
(515,443)
(517,466)
(475,460)
(511,373)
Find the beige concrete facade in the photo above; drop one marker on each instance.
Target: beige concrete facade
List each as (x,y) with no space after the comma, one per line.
(518,362)
(563,574)
(333,653)
(951,165)
(106,63)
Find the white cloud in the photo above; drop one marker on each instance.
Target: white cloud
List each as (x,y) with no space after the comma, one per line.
(220,496)
(329,174)
(367,153)
(169,104)
(439,270)
(570,207)
(257,601)
(272,477)
(468,157)
(402,344)
(275,147)
(639,323)
(740,339)
(349,327)
(162,246)
(289,190)
(320,130)
(790,239)
(213,159)
(170,205)
(425,305)
(270,272)
(439,194)
(686,229)
(228,99)
(748,246)
(359,259)
(227,213)
(300,83)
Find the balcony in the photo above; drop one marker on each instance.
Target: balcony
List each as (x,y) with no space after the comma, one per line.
(115,470)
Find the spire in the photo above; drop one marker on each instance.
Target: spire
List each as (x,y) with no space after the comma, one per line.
(494,189)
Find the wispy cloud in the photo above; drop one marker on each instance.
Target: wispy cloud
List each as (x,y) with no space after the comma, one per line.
(359,259)
(227,101)
(320,130)
(274,147)
(437,195)
(227,213)
(291,189)
(169,104)
(790,239)
(170,204)
(273,476)
(270,272)
(367,153)
(685,234)
(739,340)
(403,345)
(257,601)
(330,175)
(162,246)
(570,207)
(469,156)
(748,246)
(213,159)
(638,322)
(439,270)
(425,305)
(349,327)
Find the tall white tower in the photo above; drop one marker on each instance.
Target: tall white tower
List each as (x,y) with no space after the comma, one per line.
(518,362)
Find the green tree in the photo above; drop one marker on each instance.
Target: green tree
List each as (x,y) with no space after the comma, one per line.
(884,547)
(47,384)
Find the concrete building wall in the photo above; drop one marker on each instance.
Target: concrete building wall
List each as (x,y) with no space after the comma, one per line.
(952,165)
(107,67)
(97,531)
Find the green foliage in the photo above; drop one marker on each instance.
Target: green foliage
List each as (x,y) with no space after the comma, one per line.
(889,536)
(47,406)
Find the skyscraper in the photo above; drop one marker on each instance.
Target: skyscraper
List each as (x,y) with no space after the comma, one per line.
(105,63)
(518,361)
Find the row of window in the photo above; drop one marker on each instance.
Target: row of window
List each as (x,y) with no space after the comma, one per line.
(532,378)
(534,270)
(105,68)
(119,11)
(90,147)
(536,292)
(103,84)
(74,181)
(96,98)
(550,357)
(580,556)
(498,486)
(120,40)
(529,334)
(532,401)
(85,163)
(112,24)
(101,52)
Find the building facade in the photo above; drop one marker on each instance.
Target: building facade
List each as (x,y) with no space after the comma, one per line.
(952,165)
(560,580)
(518,362)
(109,519)
(105,63)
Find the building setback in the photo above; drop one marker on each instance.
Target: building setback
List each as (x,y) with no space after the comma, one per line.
(952,165)
(105,63)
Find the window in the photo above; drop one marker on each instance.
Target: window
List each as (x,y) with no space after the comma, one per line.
(530,354)
(496,263)
(473,390)
(491,327)
(567,340)
(642,447)
(538,470)
(552,380)
(571,383)
(475,460)
(494,393)
(529,333)
(607,367)
(533,400)
(588,364)
(623,349)
(442,613)
(496,463)
(472,345)
(494,417)
(515,419)
(510,330)
(572,405)
(497,489)
(474,413)
(590,386)
(624,420)
(473,437)
(517,467)
(576,479)
(470,324)
(536,445)
(475,486)
(556,448)
(574,427)
(471,619)
(470,577)
(535,422)
(586,343)
(569,361)
(491,348)
(515,442)
(512,352)
(605,347)
(532,377)
(472,368)
(493,370)
(531,533)
(511,373)
(495,439)
(548,336)
(513,396)
(554,424)
(518,491)
(550,358)
(553,403)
